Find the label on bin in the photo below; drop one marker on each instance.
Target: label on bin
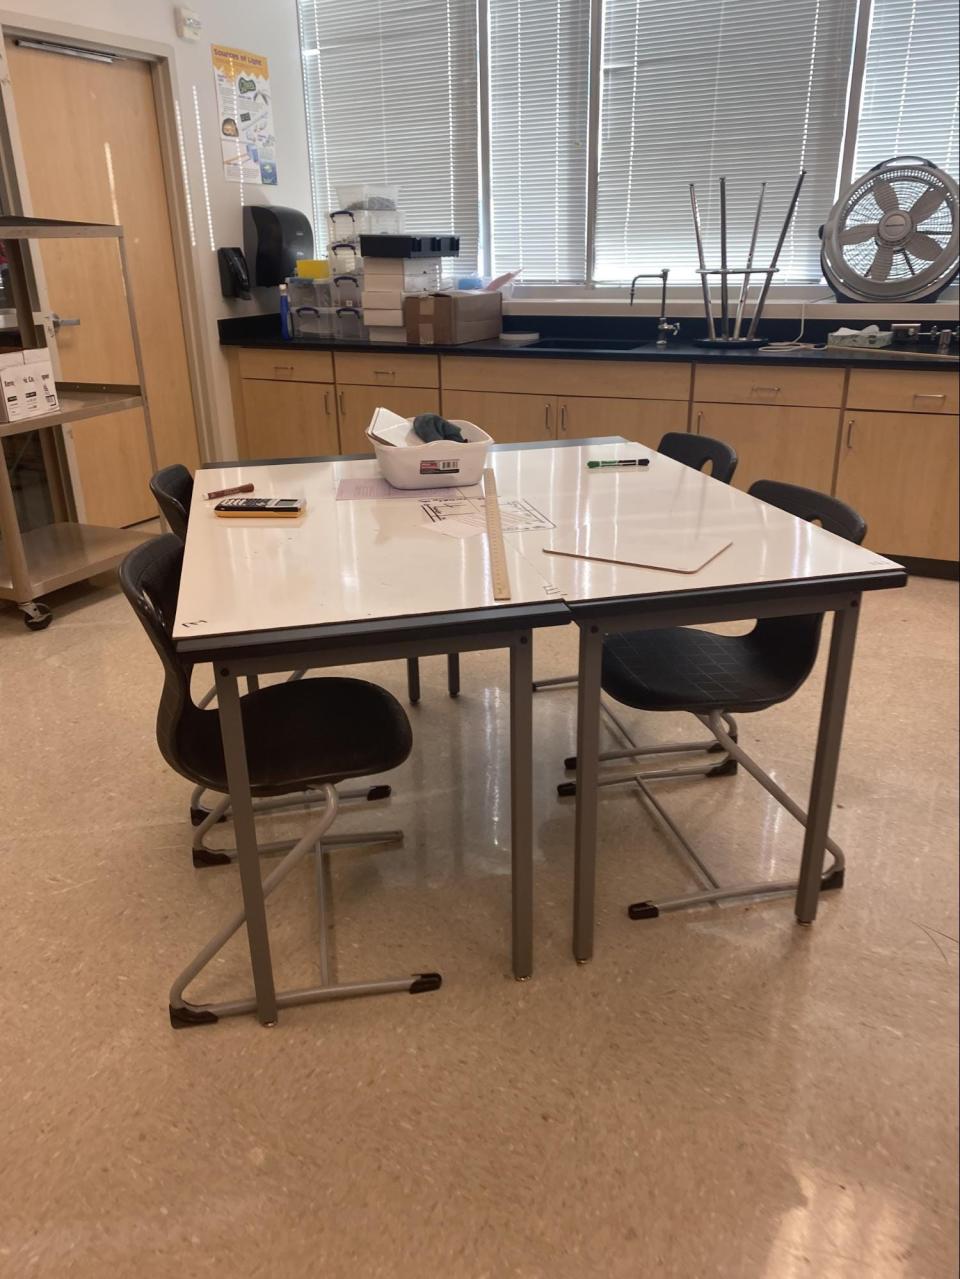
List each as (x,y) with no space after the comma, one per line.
(445,466)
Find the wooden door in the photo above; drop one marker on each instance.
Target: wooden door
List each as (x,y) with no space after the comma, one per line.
(91,145)
(510,419)
(792,444)
(645,421)
(357,403)
(288,419)
(899,470)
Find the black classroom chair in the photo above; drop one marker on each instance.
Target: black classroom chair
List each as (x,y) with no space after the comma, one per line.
(713,677)
(309,735)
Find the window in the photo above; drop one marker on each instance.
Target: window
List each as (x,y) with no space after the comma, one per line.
(391,96)
(909,104)
(565,133)
(539,72)
(690,92)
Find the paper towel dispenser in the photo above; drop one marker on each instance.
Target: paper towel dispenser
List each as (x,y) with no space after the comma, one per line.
(274,239)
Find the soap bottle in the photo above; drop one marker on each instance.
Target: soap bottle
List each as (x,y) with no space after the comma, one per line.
(286,329)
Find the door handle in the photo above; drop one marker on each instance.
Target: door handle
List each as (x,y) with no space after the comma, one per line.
(62,322)
(697,424)
(546,417)
(326,403)
(343,411)
(563,418)
(850,432)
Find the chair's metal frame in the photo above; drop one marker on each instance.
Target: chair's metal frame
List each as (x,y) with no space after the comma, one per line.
(187,1013)
(724,731)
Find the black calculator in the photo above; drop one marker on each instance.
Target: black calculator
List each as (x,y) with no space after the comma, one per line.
(271,507)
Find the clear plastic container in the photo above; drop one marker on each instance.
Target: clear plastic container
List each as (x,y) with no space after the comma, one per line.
(312,321)
(347,290)
(348,325)
(348,225)
(304,291)
(369,195)
(344,257)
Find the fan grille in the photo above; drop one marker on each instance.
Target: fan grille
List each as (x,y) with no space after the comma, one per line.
(863,209)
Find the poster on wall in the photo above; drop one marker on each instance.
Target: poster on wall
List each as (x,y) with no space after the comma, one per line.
(245,110)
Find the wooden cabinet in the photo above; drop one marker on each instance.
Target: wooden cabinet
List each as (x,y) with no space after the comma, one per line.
(287,419)
(278,365)
(357,403)
(792,444)
(509,419)
(904,390)
(621,379)
(357,368)
(769,384)
(646,421)
(899,470)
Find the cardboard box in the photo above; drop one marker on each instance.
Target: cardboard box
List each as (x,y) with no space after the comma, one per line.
(38,371)
(12,407)
(451,319)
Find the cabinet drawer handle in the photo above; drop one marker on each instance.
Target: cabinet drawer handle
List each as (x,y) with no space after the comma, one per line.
(546,418)
(698,423)
(389,374)
(563,417)
(850,433)
(283,368)
(343,411)
(764,390)
(929,395)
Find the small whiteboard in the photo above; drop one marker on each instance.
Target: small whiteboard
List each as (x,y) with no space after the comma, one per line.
(628,544)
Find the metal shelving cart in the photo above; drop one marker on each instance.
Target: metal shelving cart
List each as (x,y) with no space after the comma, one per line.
(43,559)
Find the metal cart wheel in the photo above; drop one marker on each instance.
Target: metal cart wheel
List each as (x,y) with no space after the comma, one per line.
(36,617)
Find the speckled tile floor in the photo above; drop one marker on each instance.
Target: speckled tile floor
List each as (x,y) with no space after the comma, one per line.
(719,1093)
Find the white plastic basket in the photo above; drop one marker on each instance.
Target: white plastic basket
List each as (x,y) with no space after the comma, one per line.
(442,464)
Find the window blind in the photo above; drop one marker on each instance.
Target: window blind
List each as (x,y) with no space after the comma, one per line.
(391,96)
(747,89)
(539,71)
(909,103)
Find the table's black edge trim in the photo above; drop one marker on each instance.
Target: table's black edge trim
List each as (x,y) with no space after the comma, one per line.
(366,457)
(753,593)
(516,617)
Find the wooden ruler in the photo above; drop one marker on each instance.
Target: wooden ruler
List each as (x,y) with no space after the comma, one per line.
(496,548)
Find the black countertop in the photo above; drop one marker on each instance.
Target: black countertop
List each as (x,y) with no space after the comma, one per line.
(263,332)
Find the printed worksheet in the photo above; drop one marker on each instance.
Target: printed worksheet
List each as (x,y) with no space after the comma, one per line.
(516,514)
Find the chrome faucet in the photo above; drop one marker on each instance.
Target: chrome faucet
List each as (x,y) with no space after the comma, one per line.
(664,329)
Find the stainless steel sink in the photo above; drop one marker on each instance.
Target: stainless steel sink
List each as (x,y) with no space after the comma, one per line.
(587,344)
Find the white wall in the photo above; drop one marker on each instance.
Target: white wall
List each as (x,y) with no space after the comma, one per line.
(267,27)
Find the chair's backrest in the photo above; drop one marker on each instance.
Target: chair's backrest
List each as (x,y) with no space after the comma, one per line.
(807,504)
(150,578)
(172,486)
(697,450)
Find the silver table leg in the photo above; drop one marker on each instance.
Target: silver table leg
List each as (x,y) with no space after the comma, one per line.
(521,802)
(248,855)
(832,709)
(588,768)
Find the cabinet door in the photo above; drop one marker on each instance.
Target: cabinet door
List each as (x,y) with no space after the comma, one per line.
(288,419)
(899,470)
(646,421)
(357,404)
(792,444)
(510,419)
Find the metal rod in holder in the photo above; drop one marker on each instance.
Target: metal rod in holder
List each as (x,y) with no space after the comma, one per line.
(752,331)
(711,328)
(742,300)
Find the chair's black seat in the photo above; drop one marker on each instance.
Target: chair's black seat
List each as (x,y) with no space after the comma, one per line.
(683,669)
(302,734)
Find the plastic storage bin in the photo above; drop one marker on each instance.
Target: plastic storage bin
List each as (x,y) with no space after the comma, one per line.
(344,257)
(442,464)
(347,290)
(368,195)
(312,321)
(348,225)
(348,325)
(304,291)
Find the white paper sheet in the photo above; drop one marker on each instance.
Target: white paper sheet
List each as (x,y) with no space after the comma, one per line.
(516,515)
(362,489)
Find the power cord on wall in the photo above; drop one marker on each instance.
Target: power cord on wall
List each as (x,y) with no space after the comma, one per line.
(797,343)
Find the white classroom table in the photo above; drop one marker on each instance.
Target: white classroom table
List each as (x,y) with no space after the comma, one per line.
(357,581)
